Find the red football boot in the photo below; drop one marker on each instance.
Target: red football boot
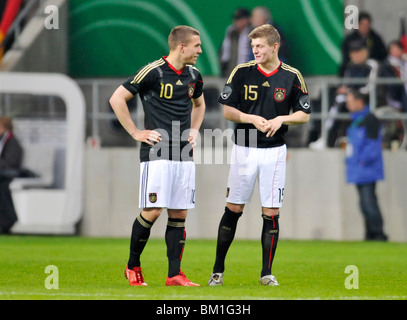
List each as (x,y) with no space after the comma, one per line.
(180,280)
(135,276)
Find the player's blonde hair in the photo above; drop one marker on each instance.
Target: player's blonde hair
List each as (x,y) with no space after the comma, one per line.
(266,31)
(181,34)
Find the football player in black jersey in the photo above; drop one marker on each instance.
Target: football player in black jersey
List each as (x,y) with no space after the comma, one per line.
(262,97)
(170,89)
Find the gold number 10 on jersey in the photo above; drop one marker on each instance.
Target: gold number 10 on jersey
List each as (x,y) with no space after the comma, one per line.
(166,90)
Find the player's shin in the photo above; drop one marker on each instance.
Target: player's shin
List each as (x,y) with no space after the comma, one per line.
(226,234)
(269,239)
(175,236)
(139,237)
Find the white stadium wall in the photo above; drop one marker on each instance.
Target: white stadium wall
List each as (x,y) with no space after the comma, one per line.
(318,204)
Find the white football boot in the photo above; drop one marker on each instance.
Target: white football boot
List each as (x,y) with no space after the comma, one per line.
(268,280)
(216,279)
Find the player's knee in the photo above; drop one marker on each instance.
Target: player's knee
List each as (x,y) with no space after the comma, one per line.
(177,214)
(237,208)
(151,214)
(270,211)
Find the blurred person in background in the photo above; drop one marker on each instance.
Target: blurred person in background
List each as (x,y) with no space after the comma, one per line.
(395,66)
(364,162)
(11,155)
(359,66)
(369,37)
(236,45)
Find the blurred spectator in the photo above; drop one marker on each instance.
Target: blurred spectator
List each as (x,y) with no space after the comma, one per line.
(364,161)
(359,66)
(395,66)
(236,45)
(370,38)
(262,15)
(11,155)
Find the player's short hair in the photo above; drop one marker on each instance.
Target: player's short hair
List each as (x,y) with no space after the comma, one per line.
(7,123)
(266,31)
(181,34)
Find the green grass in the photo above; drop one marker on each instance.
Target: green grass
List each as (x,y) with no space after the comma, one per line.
(92,269)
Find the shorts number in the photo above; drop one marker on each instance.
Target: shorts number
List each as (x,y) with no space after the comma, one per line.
(280,194)
(193,196)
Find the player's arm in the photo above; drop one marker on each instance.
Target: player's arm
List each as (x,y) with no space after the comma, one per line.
(118,101)
(197,116)
(296,118)
(235,115)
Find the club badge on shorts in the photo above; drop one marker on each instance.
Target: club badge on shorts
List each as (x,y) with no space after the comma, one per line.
(152,197)
(191,89)
(279,94)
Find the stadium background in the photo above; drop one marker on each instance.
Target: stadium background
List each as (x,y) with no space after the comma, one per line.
(99,43)
(101,29)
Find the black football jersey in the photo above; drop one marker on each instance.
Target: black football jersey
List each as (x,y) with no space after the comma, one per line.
(252,91)
(166,96)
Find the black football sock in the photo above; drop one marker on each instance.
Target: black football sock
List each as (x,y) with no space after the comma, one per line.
(175,239)
(269,239)
(226,234)
(139,237)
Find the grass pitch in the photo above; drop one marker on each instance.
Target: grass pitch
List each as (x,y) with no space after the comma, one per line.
(92,269)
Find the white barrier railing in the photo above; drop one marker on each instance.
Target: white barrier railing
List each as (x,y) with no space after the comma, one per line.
(321,84)
(97,92)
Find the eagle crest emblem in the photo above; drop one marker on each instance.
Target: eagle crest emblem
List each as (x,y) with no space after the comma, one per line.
(152,197)
(191,89)
(279,94)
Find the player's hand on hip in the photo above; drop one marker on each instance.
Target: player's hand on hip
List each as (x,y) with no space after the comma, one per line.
(273,126)
(148,136)
(192,141)
(193,136)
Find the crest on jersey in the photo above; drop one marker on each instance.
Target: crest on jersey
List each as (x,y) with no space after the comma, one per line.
(191,89)
(152,197)
(279,94)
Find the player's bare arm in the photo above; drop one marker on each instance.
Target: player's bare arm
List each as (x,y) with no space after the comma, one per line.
(293,119)
(238,116)
(197,116)
(118,101)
